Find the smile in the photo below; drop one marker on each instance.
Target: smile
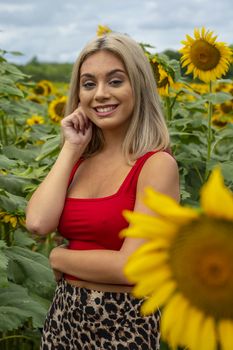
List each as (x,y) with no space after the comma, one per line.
(105,110)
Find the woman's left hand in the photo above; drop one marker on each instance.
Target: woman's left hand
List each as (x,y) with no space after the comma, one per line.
(52,260)
(57,275)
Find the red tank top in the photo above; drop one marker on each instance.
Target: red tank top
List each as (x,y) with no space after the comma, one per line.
(95,223)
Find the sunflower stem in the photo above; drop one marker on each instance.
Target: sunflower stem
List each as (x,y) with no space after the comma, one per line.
(168,108)
(209,133)
(199,174)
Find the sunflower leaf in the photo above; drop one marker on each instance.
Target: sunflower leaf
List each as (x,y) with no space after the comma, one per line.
(217,97)
(17,306)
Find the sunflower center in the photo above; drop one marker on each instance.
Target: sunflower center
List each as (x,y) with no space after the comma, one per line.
(163,82)
(155,67)
(39,90)
(202,264)
(213,270)
(226,107)
(204,55)
(59,109)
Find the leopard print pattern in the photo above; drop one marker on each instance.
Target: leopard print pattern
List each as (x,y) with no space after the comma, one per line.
(83,319)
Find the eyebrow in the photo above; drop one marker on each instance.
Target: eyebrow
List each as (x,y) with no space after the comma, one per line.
(111,72)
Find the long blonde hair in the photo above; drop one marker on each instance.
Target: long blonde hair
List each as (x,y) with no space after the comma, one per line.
(147,130)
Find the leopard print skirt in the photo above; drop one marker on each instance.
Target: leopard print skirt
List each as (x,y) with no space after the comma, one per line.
(84,319)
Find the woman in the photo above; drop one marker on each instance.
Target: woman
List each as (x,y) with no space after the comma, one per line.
(115,142)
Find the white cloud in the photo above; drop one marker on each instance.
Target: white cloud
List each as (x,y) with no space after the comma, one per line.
(56,30)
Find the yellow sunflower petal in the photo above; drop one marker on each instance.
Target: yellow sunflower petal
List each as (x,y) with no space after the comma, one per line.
(160,244)
(145,232)
(216,198)
(158,298)
(136,268)
(150,282)
(172,327)
(146,226)
(207,336)
(168,319)
(150,221)
(225,329)
(197,33)
(193,327)
(168,207)
(190,39)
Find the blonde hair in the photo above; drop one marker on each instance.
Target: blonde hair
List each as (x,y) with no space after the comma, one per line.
(147,130)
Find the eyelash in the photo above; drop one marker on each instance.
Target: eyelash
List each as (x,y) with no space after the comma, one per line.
(89,84)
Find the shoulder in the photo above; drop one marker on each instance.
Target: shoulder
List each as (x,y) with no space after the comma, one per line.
(160,171)
(160,161)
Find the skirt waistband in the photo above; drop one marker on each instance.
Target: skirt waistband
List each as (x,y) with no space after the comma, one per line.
(100,287)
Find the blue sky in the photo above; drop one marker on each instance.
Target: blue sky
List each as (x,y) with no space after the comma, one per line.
(56,30)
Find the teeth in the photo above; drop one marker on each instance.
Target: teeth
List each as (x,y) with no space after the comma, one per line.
(105,109)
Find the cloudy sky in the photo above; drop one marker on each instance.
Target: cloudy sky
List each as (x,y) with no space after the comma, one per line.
(56,30)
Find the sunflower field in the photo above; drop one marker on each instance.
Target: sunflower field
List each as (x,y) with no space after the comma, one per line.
(199,114)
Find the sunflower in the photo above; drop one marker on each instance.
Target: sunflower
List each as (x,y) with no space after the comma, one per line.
(225,107)
(163,79)
(199,88)
(186,266)
(35,99)
(103,30)
(220,120)
(50,87)
(207,59)
(41,88)
(35,119)
(56,109)
(8,218)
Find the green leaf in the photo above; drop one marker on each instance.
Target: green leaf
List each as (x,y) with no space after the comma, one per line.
(6,80)
(13,70)
(6,163)
(16,306)
(50,148)
(45,303)
(11,203)
(10,90)
(13,184)
(22,239)
(26,155)
(217,97)
(3,265)
(11,317)
(33,264)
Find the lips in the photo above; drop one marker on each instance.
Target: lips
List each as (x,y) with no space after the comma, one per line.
(105,110)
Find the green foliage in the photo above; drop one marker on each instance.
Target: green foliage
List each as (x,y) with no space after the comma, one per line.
(188,125)
(26,279)
(56,72)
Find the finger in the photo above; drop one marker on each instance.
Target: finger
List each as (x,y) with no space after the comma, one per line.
(87,122)
(81,119)
(73,121)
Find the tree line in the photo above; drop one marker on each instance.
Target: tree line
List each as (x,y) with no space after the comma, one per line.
(61,72)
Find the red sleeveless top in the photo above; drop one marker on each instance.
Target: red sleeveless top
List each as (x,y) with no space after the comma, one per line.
(95,223)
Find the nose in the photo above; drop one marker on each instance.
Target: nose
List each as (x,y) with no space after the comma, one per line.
(102,92)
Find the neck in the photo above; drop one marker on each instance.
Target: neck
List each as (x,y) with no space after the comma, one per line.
(113,141)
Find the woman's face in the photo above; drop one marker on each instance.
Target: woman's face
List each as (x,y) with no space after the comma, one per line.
(105,91)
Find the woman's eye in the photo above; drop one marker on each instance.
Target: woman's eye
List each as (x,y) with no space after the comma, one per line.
(88,84)
(115,82)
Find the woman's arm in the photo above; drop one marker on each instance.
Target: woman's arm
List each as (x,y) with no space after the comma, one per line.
(106,266)
(46,204)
